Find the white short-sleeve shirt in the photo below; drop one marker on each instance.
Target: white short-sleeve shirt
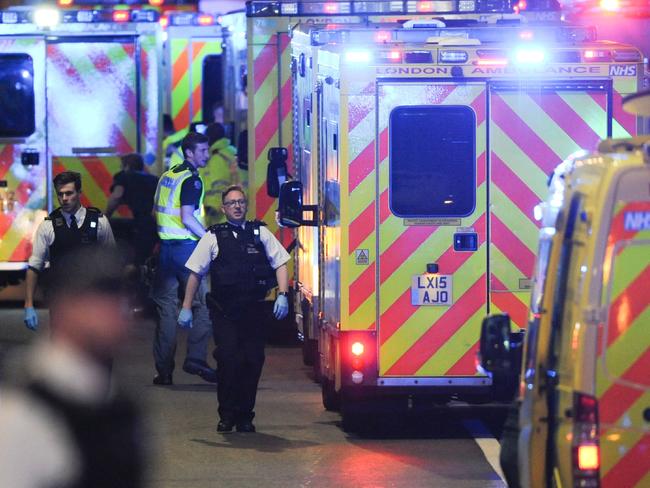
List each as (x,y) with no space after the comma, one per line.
(207,251)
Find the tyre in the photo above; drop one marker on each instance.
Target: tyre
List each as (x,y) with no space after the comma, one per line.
(331,399)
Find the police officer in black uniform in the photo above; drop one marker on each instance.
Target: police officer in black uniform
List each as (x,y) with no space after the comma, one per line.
(245,261)
(67,228)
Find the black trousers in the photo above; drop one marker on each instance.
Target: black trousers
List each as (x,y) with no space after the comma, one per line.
(240,357)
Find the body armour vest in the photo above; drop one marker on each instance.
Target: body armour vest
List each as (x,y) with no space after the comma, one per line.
(107,438)
(66,239)
(241,272)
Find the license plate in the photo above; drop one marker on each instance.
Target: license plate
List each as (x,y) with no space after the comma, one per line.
(431,289)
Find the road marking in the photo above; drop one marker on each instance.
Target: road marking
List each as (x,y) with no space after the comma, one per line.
(486,442)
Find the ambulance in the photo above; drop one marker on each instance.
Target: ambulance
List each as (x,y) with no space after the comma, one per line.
(78,88)
(583,413)
(433,146)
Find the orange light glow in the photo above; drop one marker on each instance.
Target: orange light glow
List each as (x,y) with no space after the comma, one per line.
(588,457)
(121,16)
(164,22)
(609,5)
(382,36)
(156,3)
(205,20)
(357,348)
(65,3)
(331,8)
(522,5)
(394,55)
(424,7)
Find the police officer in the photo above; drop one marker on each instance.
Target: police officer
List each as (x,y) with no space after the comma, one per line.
(66,229)
(179,208)
(245,260)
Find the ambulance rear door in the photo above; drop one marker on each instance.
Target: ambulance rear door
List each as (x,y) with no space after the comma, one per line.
(623,359)
(431,245)
(533,127)
(94,113)
(23,163)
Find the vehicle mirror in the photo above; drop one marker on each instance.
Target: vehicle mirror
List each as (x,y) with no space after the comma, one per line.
(494,350)
(290,206)
(638,103)
(276,171)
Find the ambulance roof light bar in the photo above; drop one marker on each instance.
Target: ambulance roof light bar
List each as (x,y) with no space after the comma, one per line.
(50,17)
(275,8)
(47,17)
(180,19)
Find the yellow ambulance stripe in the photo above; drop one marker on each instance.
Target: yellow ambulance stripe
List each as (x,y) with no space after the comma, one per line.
(455,348)
(615,442)
(266,95)
(423,318)
(588,109)
(629,264)
(623,352)
(501,266)
(14,235)
(510,153)
(511,215)
(539,121)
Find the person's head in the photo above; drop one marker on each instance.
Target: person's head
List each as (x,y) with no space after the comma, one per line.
(234,204)
(215,132)
(132,162)
(196,149)
(218,113)
(67,186)
(88,302)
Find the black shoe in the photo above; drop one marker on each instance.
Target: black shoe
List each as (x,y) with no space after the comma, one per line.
(245,427)
(162,379)
(225,426)
(200,368)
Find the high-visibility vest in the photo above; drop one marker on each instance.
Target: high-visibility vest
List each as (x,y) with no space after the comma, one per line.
(168,205)
(172,158)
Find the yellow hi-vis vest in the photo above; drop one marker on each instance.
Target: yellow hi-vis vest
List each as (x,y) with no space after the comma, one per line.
(168,206)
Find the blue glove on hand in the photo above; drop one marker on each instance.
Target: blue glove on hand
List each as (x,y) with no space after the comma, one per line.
(31,319)
(281,307)
(185,318)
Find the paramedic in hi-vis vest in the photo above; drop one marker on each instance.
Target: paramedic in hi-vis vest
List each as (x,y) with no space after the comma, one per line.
(65,230)
(245,261)
(179,208)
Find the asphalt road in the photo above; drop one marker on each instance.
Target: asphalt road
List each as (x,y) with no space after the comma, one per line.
(298,443)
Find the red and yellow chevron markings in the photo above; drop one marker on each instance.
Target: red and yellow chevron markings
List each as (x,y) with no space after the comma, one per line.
(96,178)
(413,340)
(81,68)
(623,384)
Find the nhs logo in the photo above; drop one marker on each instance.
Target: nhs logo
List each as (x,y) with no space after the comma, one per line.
(622,70)
(637,221)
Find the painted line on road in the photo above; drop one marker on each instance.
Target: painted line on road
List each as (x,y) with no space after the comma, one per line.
(486,442)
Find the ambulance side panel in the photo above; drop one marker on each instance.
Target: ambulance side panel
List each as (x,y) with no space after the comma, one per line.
(23,187)
(623,352)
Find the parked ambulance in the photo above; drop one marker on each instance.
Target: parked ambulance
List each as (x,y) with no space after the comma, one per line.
(429,148)
(583,414)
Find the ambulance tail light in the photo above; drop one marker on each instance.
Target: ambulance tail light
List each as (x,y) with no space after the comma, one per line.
(425,6)
(156,3)
(391,56)
(597,56)
(610,5)
(121,16)
(383,36)
(359,362)
(453,57)
(585,448)
(164,22)
(65,3)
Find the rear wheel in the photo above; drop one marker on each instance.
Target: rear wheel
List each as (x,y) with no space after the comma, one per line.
(331,398)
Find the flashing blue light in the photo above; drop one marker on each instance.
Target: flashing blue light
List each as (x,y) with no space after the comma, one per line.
(357,56)
(530,55)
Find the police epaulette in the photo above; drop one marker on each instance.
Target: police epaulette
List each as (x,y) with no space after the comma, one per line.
(258,222)
(94,209)
(217,227)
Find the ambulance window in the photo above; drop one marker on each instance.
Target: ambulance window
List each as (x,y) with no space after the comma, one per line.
(16,95)
(432,161)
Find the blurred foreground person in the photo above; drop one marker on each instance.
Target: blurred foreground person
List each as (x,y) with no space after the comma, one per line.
(62,425)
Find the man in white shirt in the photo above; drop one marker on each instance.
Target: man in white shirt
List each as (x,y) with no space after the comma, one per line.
(66,229)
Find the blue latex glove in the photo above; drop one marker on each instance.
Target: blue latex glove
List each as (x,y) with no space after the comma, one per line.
(281,307)
(31,319)
(185,318)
